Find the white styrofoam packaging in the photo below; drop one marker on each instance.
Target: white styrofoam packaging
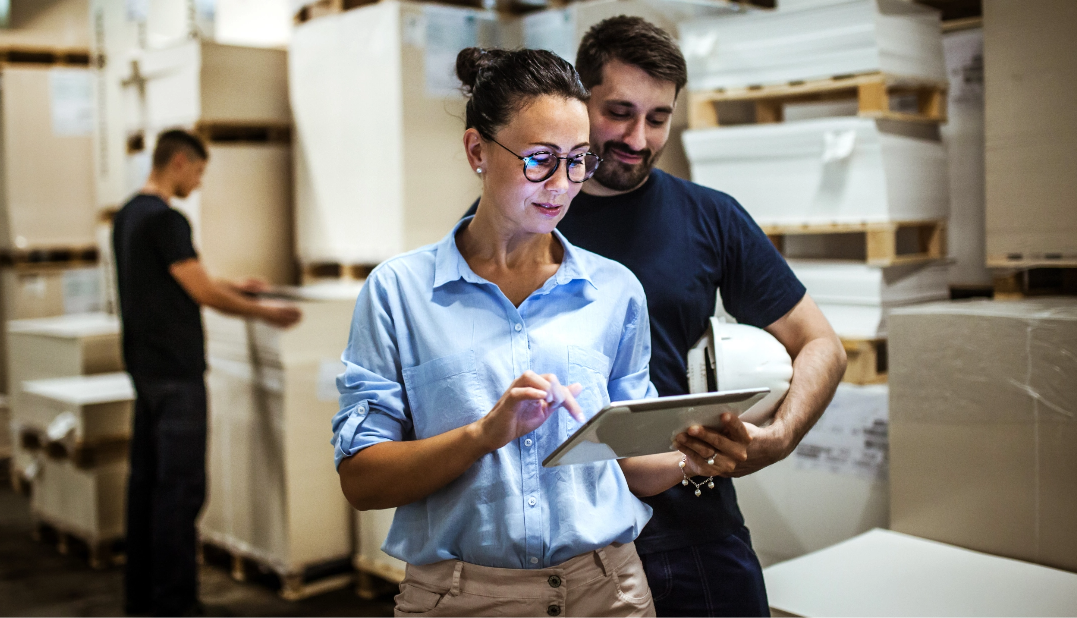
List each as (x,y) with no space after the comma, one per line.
(560,31)
(856,298)
(884,573)
(963,136)
(826,170)
(861,36)
(88,408)
(833,487)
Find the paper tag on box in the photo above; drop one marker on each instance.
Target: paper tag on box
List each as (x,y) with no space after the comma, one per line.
(72,102)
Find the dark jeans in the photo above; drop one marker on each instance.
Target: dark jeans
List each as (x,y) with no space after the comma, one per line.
(718,578)
(165,492)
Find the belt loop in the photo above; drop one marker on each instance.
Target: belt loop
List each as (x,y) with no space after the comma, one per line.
(455,590)
(603,561)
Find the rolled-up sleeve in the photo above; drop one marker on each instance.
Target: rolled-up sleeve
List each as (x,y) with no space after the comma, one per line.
(630,377)
(372,407)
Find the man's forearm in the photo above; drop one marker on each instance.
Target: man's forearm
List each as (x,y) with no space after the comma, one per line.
(817,370)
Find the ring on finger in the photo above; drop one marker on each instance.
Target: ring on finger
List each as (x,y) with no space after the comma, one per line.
(710,462)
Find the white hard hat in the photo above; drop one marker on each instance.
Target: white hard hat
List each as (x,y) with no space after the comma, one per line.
(737,356)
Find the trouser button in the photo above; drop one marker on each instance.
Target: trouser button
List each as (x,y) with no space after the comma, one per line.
(553,610)
(555,581)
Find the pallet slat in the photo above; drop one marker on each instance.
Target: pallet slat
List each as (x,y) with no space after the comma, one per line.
(872,91)
(883,242)
(867,361)
(310,581)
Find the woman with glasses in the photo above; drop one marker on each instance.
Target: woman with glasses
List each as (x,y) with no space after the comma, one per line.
(470,360)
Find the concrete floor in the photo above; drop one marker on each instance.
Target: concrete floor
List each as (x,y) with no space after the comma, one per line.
(35,580)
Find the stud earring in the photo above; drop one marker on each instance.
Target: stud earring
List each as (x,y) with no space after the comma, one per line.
(478,170)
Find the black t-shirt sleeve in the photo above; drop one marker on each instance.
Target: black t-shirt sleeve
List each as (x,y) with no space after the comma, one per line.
(757,285)
(171,233)
(471,211)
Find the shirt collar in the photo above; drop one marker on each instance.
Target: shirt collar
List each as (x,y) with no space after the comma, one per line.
(450,265)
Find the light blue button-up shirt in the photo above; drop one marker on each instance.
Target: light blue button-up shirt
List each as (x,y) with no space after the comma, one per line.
(433,346)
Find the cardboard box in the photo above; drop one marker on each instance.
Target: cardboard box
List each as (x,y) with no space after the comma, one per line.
(47,24)
(1030,75)
(203,82)
(883,573)
(82,409)
(833,487)
(43,291)
(47,198)
(769,47)
(273,492)
(245,212)
(88,503)
(826,170)
(982,430)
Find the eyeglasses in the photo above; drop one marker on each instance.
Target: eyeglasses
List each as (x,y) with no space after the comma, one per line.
(540,166)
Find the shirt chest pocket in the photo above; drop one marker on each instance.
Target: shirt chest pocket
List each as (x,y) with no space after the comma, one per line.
(444,394)
(592,370)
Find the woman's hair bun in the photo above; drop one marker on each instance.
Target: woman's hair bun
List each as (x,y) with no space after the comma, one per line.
(471,61)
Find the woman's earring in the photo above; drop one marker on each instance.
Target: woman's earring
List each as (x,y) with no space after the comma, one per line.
(478,170)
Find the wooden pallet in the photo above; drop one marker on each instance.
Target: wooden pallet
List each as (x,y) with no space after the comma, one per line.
(83,454)
(45,56)
(885,244)
(100,553)
(375,579)
(233,132)
(64,257)
(1033,260)
(1036,282)
(872,91)
(867,361)
(291,585)
(334,271)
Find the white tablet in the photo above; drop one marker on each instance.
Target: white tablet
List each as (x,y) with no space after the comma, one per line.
(648,426)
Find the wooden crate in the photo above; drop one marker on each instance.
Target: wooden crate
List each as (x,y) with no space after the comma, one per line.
(867,361)
(883,242)
(872,91)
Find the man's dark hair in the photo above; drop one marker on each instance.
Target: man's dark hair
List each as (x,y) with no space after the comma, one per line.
(634,41)
(175,141)
(500,83)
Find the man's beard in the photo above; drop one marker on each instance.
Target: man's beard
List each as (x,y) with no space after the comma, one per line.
(614,174)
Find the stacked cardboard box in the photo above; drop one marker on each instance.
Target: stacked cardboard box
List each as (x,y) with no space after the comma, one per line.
(1030,74)
(982,426)
(58,347)
(273,493)
(79,484)
(37,25)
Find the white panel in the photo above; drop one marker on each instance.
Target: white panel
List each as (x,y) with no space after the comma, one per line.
(840,39)
(822,171)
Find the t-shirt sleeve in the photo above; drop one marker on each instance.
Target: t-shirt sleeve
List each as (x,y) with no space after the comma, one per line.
(757,285)
(172,237)
(471,211)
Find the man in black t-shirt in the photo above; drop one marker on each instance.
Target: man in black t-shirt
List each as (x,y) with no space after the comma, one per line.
(685,242)
(161,286)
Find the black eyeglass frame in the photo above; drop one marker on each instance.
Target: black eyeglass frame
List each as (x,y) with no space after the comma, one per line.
(556,166)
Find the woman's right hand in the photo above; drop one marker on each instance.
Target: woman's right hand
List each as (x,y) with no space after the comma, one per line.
(529,401)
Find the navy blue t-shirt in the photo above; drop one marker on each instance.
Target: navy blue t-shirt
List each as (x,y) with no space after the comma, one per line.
(684,242)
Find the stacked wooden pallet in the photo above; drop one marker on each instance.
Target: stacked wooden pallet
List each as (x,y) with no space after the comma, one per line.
(846,167)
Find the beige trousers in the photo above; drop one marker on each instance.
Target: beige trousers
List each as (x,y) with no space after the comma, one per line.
(606,582)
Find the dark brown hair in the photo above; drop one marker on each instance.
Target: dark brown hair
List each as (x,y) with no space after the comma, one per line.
(634,41)
(499,83)
(175,141)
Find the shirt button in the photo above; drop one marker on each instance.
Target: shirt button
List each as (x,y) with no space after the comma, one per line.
(527,442)
(534,560)
(518,328)
(553,610)
(554,581)
(531,501)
